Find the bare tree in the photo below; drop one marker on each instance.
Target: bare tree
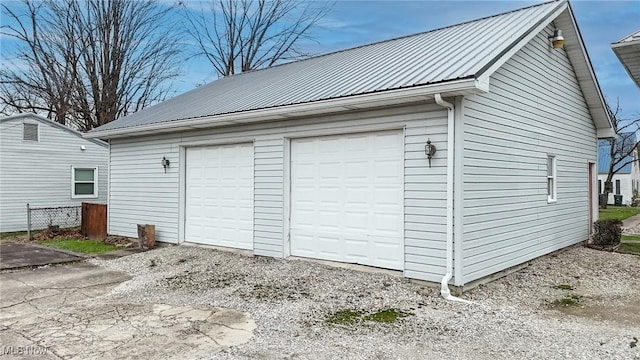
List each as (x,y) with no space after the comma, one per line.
(243,35)
(88,62)
(622,150)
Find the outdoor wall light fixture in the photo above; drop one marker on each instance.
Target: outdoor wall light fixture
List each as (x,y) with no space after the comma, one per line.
(557,40)
(430,150)
(165,164)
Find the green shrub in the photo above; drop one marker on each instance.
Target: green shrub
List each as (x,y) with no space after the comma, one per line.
(607,232)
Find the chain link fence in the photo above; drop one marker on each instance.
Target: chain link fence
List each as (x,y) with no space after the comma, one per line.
(61,216)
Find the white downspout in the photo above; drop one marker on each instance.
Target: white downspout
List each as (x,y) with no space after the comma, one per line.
(444,287)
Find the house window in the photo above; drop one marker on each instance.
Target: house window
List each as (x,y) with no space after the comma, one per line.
(599,186)
(30,132)
(617,187)
(84,182)
(551,179)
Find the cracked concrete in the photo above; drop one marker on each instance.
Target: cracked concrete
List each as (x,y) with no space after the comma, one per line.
(58,313)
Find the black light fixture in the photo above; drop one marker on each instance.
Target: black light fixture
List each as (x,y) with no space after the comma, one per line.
(429,150)
(165,164)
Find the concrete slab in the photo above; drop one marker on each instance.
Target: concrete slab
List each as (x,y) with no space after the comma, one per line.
(67,312)
(631,222)
(14,255)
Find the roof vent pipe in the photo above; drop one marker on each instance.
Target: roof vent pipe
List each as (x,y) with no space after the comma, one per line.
(444,287)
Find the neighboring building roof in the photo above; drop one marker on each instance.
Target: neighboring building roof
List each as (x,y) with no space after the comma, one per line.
(453,60)
(628,51)
(44,120)
(626,141)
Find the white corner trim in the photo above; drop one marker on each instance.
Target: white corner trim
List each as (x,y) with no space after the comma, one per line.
(182,188)
(286,193)
(458,192)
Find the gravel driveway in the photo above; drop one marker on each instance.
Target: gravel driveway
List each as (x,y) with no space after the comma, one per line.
(516,317)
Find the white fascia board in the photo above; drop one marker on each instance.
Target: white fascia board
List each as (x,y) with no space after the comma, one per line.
(624,42)
(597,106)
(357,102)
(605,133)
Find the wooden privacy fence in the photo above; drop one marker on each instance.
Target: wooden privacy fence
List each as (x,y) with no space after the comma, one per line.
(94,221)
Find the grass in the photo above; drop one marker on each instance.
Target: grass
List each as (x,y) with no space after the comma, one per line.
(344,317)
(571,300)
(79,246)
(618,212)
(630,248)
(630,244)
(348,317)
(12,234)
(386,316)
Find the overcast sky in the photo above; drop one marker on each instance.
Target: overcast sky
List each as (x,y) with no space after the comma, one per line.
(353,23)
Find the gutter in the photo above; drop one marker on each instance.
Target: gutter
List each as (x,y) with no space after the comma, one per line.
(328,106)
(444,287)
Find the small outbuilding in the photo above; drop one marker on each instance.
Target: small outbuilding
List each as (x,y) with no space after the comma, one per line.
(47,164)
(449,155)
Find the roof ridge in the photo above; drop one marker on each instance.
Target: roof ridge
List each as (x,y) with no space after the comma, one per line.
(395,38)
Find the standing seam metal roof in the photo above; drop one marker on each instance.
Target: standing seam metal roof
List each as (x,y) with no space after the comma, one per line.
(451,53)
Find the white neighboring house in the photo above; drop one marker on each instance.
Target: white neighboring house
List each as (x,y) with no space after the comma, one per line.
(46,164)
(328,157)
(626,181)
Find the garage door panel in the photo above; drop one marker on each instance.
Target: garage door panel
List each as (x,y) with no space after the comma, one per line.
(219,195)
(347,198)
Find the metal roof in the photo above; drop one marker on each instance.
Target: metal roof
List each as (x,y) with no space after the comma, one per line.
(449,53)
(628,51)
(46,121)
(626,141)
(456,58)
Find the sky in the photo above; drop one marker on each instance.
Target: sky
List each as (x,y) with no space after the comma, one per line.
(353,23)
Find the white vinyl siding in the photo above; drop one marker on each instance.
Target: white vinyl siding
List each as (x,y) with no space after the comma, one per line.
(535,108)
(268,210)
(626,186)
(40,172)
(142,193)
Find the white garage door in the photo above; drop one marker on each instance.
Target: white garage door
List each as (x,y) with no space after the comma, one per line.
(347,198)
(219,195)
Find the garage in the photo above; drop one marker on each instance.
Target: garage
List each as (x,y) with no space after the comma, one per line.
(219,195)
(347,198)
